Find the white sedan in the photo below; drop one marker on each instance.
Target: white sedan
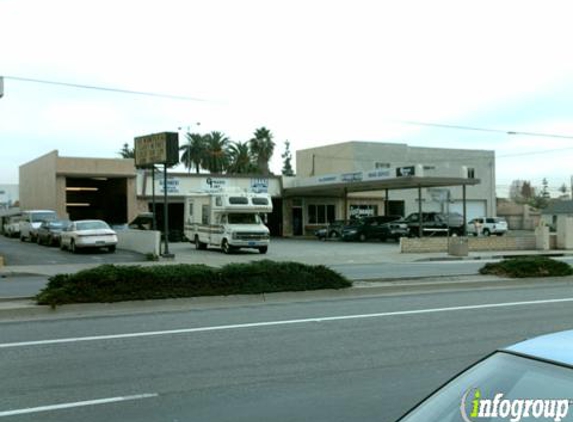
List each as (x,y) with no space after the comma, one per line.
(88,234)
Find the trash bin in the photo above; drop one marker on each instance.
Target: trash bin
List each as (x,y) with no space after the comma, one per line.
(458,246)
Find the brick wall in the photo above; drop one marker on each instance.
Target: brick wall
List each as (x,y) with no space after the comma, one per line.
(491,243)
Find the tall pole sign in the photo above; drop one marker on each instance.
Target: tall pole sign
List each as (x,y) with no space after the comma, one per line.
(159,148)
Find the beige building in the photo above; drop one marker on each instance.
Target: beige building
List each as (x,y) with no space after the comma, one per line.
(355,161)
(80,188)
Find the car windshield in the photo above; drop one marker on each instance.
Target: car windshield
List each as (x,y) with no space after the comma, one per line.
(42,216)
(516,378)
(244,218)
(57,225)
(91,225)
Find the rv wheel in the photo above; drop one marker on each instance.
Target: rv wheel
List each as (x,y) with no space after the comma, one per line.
(199,245)
(225,246)
(263,249)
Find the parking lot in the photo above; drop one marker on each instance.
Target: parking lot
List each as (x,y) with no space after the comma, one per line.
(310,251)
(16,252)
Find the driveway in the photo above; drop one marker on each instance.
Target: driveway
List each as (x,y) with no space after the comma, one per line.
(16,252)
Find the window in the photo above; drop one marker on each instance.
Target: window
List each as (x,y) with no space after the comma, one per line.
(382,165)
(471,173)
(260,201)
(321,214)
(218,201)
(191,209)
(238,200)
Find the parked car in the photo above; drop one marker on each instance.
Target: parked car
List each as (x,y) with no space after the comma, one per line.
(84,234)
(49,232)
(12,227)
(538,371)
(31,220)
(374,228)
(487,226)
(332,231)
(435,223)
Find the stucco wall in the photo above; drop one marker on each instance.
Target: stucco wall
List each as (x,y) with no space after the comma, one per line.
(38,183)
(491,243)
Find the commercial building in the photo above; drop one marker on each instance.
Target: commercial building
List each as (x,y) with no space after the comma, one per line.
(333,182)
(79,188)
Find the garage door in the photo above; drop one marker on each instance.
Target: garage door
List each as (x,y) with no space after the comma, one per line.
(473,208)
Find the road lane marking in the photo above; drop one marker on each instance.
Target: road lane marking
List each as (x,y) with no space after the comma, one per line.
(75,404)
(279,323)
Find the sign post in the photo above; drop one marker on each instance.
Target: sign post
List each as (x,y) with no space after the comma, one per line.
(159,148)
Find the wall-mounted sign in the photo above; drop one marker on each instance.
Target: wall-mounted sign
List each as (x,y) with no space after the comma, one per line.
(215,184)
(260,185)
(172,185)
(158,148)
(405,171)
(352,177)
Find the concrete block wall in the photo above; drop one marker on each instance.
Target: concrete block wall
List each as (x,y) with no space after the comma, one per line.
(476,244)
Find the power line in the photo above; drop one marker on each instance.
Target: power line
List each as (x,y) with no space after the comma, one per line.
(506,132)
(101,88)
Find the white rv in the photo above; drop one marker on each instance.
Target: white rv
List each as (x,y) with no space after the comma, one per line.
(228,220)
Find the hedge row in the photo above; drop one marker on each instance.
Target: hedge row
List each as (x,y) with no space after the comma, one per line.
(111,283)
(537,266)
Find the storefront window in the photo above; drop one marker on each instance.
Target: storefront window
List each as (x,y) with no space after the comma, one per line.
(321,214)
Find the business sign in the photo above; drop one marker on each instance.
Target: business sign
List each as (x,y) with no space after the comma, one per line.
(260,185)
(405,171)
(215,184)
(352,177)
(172,185)
(158,148)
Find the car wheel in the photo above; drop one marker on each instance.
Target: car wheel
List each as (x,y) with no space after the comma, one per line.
(62,246)
(263,249)
(199,245)
(334,235)
(73,247)
(22,238)
(362,237)
(111,249)
(38,240)
(226,247)
(486,232)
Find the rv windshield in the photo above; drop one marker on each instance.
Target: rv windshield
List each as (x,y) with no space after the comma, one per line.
(244,218)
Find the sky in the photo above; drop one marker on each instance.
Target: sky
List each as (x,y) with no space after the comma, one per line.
(314,72)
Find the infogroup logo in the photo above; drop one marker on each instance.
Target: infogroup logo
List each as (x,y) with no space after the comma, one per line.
(514,410)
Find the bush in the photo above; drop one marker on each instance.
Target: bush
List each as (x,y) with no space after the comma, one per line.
(110,283)
(522,267)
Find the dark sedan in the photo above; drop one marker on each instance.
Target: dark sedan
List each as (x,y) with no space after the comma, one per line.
(49,232)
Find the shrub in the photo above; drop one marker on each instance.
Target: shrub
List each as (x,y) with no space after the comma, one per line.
(110,283)
(522,267)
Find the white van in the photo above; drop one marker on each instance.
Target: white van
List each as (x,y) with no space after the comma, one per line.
(31,220)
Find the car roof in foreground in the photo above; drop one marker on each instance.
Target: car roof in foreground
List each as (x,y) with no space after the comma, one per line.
(556,347)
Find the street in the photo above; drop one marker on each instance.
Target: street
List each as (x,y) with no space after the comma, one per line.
(339,360)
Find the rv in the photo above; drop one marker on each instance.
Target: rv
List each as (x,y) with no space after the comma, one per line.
(228,220)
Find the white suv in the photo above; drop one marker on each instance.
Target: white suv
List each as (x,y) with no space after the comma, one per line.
(487,226)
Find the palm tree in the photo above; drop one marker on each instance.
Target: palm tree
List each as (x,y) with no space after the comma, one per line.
(262,148)
(194,151)
(126,151)
(216,157)
(240,161)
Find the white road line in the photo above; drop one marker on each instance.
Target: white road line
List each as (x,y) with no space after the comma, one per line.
(75,404)
(284,322)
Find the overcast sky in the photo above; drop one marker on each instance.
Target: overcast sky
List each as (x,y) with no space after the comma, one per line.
(314,72)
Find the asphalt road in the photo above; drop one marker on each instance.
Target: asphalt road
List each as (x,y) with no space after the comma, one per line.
(341,360)
(16,253)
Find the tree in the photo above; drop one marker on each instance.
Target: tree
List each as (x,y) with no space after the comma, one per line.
(126,151)
(240,161)
(287,158)
(542,199)
(521,191)
(262,148)
(194,152)
(216,156)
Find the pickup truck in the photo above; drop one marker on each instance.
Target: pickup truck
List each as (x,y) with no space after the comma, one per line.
(435,224)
